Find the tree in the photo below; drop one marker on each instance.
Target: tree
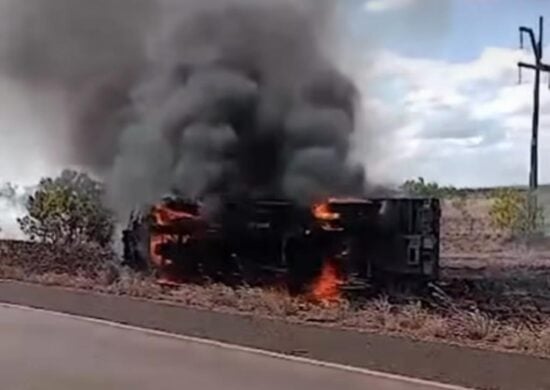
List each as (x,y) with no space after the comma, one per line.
(420,187)
(68,210)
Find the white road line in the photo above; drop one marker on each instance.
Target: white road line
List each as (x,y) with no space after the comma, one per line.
(239,348)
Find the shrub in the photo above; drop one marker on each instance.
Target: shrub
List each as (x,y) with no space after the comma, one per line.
(68,210)
(510,212)
(421,187)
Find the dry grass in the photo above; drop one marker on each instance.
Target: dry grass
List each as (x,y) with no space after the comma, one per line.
(465,323)
(468,327)
(466,228)
(479,326)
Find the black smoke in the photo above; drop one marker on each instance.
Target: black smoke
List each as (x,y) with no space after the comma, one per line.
(209,99)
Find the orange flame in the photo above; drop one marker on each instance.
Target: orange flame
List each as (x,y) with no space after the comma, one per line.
(327,219)
(164,215)
(326,288)
(155,241)
(322,212)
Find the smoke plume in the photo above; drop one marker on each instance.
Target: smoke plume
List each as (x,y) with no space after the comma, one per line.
(209,99)
(12,206)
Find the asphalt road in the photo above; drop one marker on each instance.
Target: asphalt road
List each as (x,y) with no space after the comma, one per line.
(40,350)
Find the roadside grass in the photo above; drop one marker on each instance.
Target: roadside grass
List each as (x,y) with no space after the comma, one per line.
(466,327)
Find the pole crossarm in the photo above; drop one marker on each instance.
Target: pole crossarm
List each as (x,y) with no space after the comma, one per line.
(541,67)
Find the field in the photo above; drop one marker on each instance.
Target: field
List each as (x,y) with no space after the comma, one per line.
(483,266)
(495,292)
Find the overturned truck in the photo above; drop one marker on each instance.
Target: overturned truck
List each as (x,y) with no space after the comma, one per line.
(354,243)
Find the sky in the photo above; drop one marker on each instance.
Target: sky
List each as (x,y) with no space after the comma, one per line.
(440,95)
(440,84)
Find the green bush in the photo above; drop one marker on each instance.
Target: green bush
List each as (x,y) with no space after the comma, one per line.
(68,210)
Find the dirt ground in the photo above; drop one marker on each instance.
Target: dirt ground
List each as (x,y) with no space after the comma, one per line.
(484,265)
(466,229)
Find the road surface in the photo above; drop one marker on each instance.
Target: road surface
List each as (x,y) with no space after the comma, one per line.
(41,350)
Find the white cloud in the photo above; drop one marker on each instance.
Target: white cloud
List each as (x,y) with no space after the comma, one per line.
(385,5)
(460,123)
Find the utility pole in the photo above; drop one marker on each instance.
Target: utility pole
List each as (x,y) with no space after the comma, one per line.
(538,67)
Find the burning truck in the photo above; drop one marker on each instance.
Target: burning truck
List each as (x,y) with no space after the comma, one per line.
(246,104)
(338,245)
